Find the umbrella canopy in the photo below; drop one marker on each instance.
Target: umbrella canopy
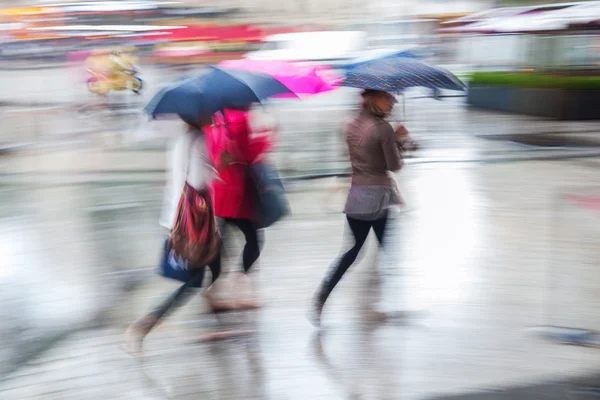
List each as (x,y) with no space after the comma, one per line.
(378,55)
(396,74)
(213,91)
(300,79)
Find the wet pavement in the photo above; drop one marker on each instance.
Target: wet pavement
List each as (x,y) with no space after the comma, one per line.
(473,252)
(490,244)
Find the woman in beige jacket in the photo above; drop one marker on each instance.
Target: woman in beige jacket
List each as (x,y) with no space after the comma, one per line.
(375,150)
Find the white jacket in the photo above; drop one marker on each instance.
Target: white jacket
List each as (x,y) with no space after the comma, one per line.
(187,156)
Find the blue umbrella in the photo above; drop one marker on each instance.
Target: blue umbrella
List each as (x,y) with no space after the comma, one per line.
(213,91)
(396,74)
(378,56)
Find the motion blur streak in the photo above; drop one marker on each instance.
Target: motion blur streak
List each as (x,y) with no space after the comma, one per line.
(488,270)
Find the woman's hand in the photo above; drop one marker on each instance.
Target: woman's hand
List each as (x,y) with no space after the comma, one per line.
(405,141)
(402,132)
(225,160)
(410,145)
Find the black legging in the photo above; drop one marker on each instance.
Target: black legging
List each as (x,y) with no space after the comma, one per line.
(252,248)
(181,295)
(360,230)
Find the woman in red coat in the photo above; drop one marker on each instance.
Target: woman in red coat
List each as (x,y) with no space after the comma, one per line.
(232,149)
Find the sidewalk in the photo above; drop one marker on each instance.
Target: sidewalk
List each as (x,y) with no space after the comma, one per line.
(472,251)
(487,247)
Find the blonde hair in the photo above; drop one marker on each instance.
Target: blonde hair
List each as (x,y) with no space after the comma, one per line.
(369,102)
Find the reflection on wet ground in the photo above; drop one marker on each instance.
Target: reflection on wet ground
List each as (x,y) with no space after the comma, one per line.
(482,252)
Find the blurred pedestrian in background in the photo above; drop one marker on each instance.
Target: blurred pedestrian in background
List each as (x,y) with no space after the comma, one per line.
(189,164)
(375,150)
(120,64)
(234,148)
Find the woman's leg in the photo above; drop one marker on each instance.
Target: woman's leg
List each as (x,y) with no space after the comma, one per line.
(252,247)
(222,225)
(360,231)
(379,229)
(137,331)
(177,298)
(250,254)
(215,268)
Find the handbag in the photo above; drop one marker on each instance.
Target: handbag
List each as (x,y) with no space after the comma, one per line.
(271,201)
(195,236)
(173,267)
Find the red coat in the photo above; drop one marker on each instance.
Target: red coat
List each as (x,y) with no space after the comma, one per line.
(234,196)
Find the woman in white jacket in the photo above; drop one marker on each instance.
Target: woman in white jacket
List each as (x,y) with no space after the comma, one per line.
(188,161)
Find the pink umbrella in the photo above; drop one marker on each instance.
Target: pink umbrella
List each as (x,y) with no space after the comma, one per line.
(301,79)
(175,52)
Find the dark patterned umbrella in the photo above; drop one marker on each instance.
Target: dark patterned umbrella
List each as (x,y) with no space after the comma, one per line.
(213,91)
(357,62)
(394,74)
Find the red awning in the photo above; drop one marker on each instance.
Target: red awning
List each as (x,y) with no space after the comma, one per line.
(244,33)
(241,33)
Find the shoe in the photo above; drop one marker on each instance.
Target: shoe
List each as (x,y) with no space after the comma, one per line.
(315,313)
(136,333)
(377,316)
(248,305)
(217,306)
(245,288)
(222,306)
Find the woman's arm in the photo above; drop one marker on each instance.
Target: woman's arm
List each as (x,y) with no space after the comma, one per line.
(263,136)
(405,143)
(261,143)
(389,145)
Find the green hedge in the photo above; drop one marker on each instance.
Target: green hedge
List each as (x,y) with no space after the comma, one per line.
(534,80)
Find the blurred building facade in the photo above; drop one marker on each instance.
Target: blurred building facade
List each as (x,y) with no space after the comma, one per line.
(311,11)
(306,11)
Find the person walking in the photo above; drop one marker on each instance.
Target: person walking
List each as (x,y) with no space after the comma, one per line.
(234,143)
(188,164)
(375,150)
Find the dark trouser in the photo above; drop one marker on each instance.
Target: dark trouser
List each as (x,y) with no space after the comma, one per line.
(360,230)
(252,248)
(182,295)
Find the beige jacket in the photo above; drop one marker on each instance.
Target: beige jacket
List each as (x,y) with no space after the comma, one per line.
(373,151)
